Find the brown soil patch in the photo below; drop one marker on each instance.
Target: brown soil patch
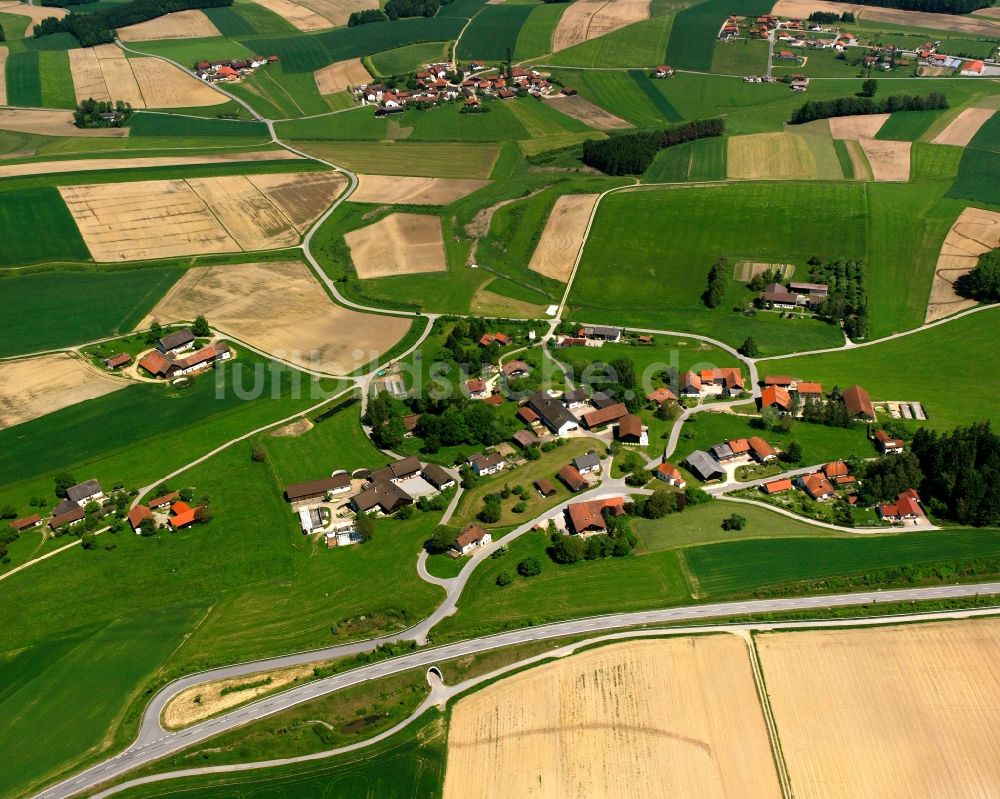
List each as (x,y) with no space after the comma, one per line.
(677,717)
(247,215)
(301,197)
(988,12)
(298,15)
(974,232)
(165,86)
(201,701)
(890,712)
(37,386)
(864,126)
(179,25)
(280,308)
(933,72)
(746,271)
(339,76)
(775,156)
(889,160)
(588,19)
(37,14)
(563,236)
(489,303)
(963,127)
(338,11)
(4,52)
(293,430)
(101,164)
(400,244)
(588,113)
(398,190)
(51,123)
(910,19)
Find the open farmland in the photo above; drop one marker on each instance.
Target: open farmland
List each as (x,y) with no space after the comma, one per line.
(303,197)
(588,19)
(772,156)
(36,13)
(340,75)
(399,244)
(421,159)
(891,712)
(51,123)
(24,214)
(624,720)
(889,160)
(400,190)
(907,19)
(100,164)
(964,127)
(191,24)
(316,15)
(36,386)
(4,52)
(975,232)
(265,305)
(160,218)
(864,126)
(563,236)
(582,109)
(492,31)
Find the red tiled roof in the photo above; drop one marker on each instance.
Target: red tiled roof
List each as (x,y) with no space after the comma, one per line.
(26,522)
(858,402)
(138,515)
(630,425)
(527,414)
(778,380)
(738,445)
(777,486)
(761,448)
(571,477)
(816,485)
(183,515)
(494,399)
(156,364)
(775,396)
(810,388)
(836,469)
(669,470)
(661,395)
(156,502)
(470,535)
(590,515)
(690,380)
(604,415)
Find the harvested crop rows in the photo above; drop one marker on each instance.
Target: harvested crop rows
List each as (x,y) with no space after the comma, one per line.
(281,309)
(4,52)
(890,712)
(191,24)
(676,717)
(400,244)
(864,126)
(316,15)
(582,109)
(563,236)
(100,164)
(974,232)
(104,73)
(963,127)
(588,19)
(340,75)
(36,12)
(889,160)
(398,190)
(37,386)
(906,19)
(164,218)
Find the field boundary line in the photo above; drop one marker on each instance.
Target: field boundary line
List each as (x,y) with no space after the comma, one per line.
(784,781)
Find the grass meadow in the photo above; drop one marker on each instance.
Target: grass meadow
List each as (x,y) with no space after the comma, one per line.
(908,125)
(171,125)
(641,44)
(535,37)
(406,59)
(492,31)
(61,308)
(695,161)
(920,367)
(979,170)
(24,214)
(695,32)
(422,159)
(617,93)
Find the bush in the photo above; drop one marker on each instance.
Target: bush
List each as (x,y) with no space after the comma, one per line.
(440,541)
(695,496)
(529,567)
(734,522)
(567,548)
(87,541)
(258,454)
(504,578)
(851,106)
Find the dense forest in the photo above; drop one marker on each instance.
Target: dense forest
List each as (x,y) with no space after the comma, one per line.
(851,106)
(846,302)
(830,17)
(64,3)
(97,27)
(632,153)
(932,6)
(397,9)
(961,471)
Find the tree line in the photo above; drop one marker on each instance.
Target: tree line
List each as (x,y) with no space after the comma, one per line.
(983,282)
(932,6)
(632,153)
(718,282)
(852,106)
(830,18)
(97,27)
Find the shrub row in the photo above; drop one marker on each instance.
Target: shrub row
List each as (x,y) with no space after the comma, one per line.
(98,27)
(853,106)
(632,153)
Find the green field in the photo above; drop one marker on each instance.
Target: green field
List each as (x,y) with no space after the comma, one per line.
(694,161)
(618,93)
(933,161)
(24,80)
(897,370)
(908,125)
(695,32)
(24,214)
(57,309)
(160,124)
(492,31)
(407,59)
(641,44)
(742,57)
(459,160)
(979,170)
(535,37)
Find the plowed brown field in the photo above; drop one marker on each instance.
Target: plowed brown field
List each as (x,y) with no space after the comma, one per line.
(563,236)
(400,244)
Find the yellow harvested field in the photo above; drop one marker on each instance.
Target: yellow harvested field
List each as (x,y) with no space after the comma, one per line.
(297,15)
(100,164)
(677,717)
(975,232)
(399,190)
(280,308)
(51,123)
(746,271)
(399,244)
(423,159)
(4,52)
(37,386)
(892,712)
(588,19)
(963,127)
(190,24)
(859,162)
(586,112)
(774,156)
(36,12)
(165,86)
(889,160)
(88,79)
(246,214)
(563,236)
(340,75)
(338,11)
(910,19)
(864,126)
(301,196)
(119,79)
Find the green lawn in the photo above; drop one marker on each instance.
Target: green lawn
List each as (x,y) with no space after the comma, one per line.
(56,80)
(58,309)
(917,367)
(25,212)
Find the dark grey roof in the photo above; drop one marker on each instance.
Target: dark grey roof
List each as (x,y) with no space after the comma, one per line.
(721,451)
(586,461)
(436,475)
(552,412)
(85,489)
(704,466)
(386,496)
(178,338)
(600,400)
(575,395)
(603,332)
(397,469)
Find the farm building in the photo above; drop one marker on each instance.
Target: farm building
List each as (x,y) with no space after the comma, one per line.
(26,523)
(477,388)
(437,476)
(631,430)
(137,515)
(157,503)
(888,445)
(599,333)
(587,518)
(182,515)
(403,469)
(604,416)
(704,466)
(552,413)
(600,400)
(859,404)
(515,369)
(544,487)
(381,497)
(761,450)
(809,391)
(525,438)
(65,515)
(178,341)
(87,491)
(587,463)
(777,398)
(527,415)
(471,538)
(574,398)
(318,489)
(119,361)
(782,381)
(572,478)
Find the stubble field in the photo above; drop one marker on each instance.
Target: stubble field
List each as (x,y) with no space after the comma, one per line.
(563,236)
(588,19)
(51,123)
(963,127)
(402,190)
(400,244)
(586,112)
(101,164)
(975,232)
(191,24)
(889,160)
(340,75)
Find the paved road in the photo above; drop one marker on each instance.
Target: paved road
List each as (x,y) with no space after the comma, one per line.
(146,750)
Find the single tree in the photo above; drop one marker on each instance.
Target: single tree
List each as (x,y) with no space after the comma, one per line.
(734,522)
(200,327)
(441,540)
(749,347)
(504,578)
(64,481)
(366,528)
(529,567)
(258,454)
(869,87)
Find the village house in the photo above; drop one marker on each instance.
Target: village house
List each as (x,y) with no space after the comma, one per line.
(403,469)
(690,385)
(544,487)
(524,438)
(809,391)
(632,431)
(231,70)
(777,296)
(859,404)
(472,538)
(712,382)
(704,466)
(587,518)
(552,413)
(494,338)
(66,514)
(671,475)
(817,486)
(85,492)
(514,369)
(839,473)
(777,398)
(437,476)
(119,361)
(906,506)
(600,333)
(761,451)
(381,497)
(664,71)
(158,503)
(782,381)
(572,479)
(661,395)
(182,515)
(178,341)
(587,463)
(603,416)
(888,445)
(20,525)
(574,398)
(777,486)
(477,389)
(137,515)
(318,489)
(484,465)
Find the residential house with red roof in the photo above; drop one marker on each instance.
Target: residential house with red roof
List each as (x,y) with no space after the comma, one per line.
(671,475)
(587,518)
(888,445)
(906,506)
(817,486)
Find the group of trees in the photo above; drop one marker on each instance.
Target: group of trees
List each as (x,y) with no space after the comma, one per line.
(101,113)
(830,18)
(618,542)
(632,153)
(663,502)
(718,282)
(64,3)
(886,477)
(832,413)
(846,301)
(983,282)
(97,27)
(617,378)
(366,17)
(850,106)
(932,6)
(396,9)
